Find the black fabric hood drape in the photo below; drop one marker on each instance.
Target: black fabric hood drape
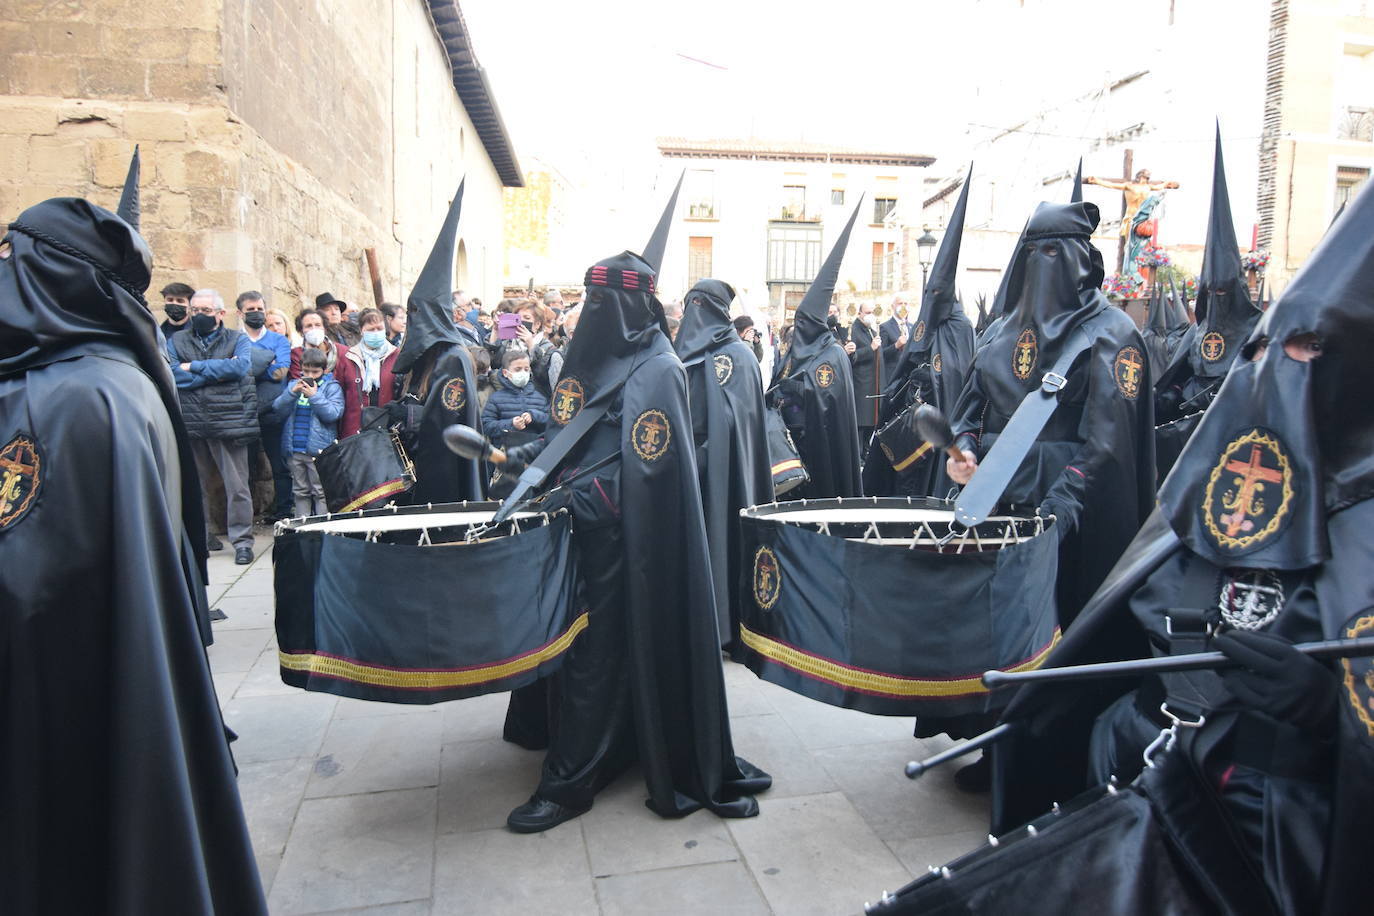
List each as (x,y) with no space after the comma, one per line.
(706,320)
(811,335)
(620,317)
(939,300)
(1225,314)
(75,280)
(1286,442)
(429,309)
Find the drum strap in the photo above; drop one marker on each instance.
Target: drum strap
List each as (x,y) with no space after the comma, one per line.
(557,449)
(979,498)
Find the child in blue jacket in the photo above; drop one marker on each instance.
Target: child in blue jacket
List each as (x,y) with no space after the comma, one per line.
(516,405)
(309,409)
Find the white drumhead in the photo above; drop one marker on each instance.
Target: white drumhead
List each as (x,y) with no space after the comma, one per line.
(414,521)
(859,515)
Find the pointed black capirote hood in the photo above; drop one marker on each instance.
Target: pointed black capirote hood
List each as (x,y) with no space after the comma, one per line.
(1221,258)
(1158,320)
(1178,312)
(939,298)
(429,309)
(810,333)
(658,242)
(129,208)
(1076,194)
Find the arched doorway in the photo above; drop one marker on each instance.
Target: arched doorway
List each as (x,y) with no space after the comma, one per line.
(460,268)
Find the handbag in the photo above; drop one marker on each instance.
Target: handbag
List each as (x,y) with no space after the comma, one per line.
(788,470)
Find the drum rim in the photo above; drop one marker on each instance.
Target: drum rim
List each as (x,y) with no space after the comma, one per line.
(288,525)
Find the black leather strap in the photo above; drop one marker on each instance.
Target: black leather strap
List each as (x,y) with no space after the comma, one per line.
(553,453)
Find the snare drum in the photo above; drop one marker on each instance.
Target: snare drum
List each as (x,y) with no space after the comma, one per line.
(424,604)
(364,471)
(887,606)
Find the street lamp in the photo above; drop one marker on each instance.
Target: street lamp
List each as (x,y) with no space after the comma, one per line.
(925,250)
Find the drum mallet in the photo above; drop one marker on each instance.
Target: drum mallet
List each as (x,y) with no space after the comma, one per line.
(917,767)
(467,442)
(932,426)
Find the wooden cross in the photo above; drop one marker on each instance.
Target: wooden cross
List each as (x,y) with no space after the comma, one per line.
(1133,367)
(14,472)
(652,428)
(1254,475)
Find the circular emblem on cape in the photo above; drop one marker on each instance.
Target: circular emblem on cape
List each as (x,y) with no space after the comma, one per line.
(568,398)
(651,435)
(725,367)
(1213,346)
(21,477)
(1025,354)
(455,394)
(918,333)
(1359,675)
(1249,492)
(1251,599)
(937,364)
(767,581)
(825,375)
(1127,368)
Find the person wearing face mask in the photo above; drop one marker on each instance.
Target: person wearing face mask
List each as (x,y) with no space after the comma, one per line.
(365,372)
(556,358)
(864,346)
(516,411)
(219,401)
(310,325)
(176,299)
(271,357)
(395,317)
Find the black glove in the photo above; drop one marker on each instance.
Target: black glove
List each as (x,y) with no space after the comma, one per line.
(521,456)
(1279,681)
(1167,404)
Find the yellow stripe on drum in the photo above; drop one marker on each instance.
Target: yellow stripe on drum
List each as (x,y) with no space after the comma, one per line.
(790,464)
(823,669)
(429,679)
(913,457)
(390,488)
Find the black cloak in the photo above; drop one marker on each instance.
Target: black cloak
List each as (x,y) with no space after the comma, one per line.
(1092,464)
(653,641)
(117,789)
(1292,421)
(866,373)
(726,395)
(815,389)
(933,367)
(1156,330)
(438,368)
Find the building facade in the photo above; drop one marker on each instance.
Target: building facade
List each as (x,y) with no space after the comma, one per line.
(280,141)
(762,217)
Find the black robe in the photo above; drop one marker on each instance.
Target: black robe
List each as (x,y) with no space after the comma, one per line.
(445,383)
(868,372)
(117,790)
(817,400)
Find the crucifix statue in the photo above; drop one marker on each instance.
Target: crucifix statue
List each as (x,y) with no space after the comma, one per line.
(1141,195)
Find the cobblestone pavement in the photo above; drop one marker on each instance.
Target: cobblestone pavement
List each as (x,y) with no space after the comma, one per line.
(375,808)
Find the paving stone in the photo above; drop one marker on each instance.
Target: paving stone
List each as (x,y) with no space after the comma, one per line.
(769,743)
(476,719)
(256,583)
(355,851)
(264,678)
(226,682)
(236,650)
(244,612)
(896,807)
(820,725)
(496,871)
(272,792)
(624,836)
(741,692)
(919,853)
(409,908)
(268,864)
(350,708)
(815,854)
(482,781)
(279,727)
(377,754)
(718,888)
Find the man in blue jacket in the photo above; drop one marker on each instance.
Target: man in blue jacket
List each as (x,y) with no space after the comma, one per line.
(271,358)
(219,404)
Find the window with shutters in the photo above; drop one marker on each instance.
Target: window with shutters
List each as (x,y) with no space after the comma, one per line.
(700,188)
(1349,180)
(794,253)
(793,206)
(882,265)
(882,206)
(698,259)
(837,197)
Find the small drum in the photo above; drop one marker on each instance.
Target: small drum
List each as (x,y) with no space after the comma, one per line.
(424,604)
(364,471)
(887,606)
(788,470)
(1170,440)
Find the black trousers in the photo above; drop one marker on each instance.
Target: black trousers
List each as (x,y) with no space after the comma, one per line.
(282,504)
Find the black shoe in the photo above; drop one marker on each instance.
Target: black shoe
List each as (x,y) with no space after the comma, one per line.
(243,556)
(214,543)
(540,814)
(976,777)
(217,614)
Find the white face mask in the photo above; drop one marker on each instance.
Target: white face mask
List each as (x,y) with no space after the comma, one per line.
(314,336)
(871,320)
(519,379)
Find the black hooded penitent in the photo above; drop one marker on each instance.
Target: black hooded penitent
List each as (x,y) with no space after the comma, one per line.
(726,395)
(1273,491)
(114,759)
(815,391)
(439,375)
(932,369)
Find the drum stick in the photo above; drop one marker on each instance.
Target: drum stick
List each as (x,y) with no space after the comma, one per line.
(1330,648)
(469,443)
(932,426)
(917,767)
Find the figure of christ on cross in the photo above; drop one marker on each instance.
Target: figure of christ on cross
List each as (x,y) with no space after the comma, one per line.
(1135,190)
(15,472)
(1250,484)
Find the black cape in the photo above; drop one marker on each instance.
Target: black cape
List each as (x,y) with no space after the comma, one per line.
(115,760)
(726,394)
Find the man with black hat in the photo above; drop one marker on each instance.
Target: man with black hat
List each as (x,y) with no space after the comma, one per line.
(336,327)
(1260,541)
(439,377)
(117,789)
(726,395)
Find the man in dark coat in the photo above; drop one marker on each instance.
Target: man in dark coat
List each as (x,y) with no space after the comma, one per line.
(864,346)
(726,397)
(117,790)
(438,368)
(1260,541)
(932,369)
(815,392)
(644,681)
(895,332)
